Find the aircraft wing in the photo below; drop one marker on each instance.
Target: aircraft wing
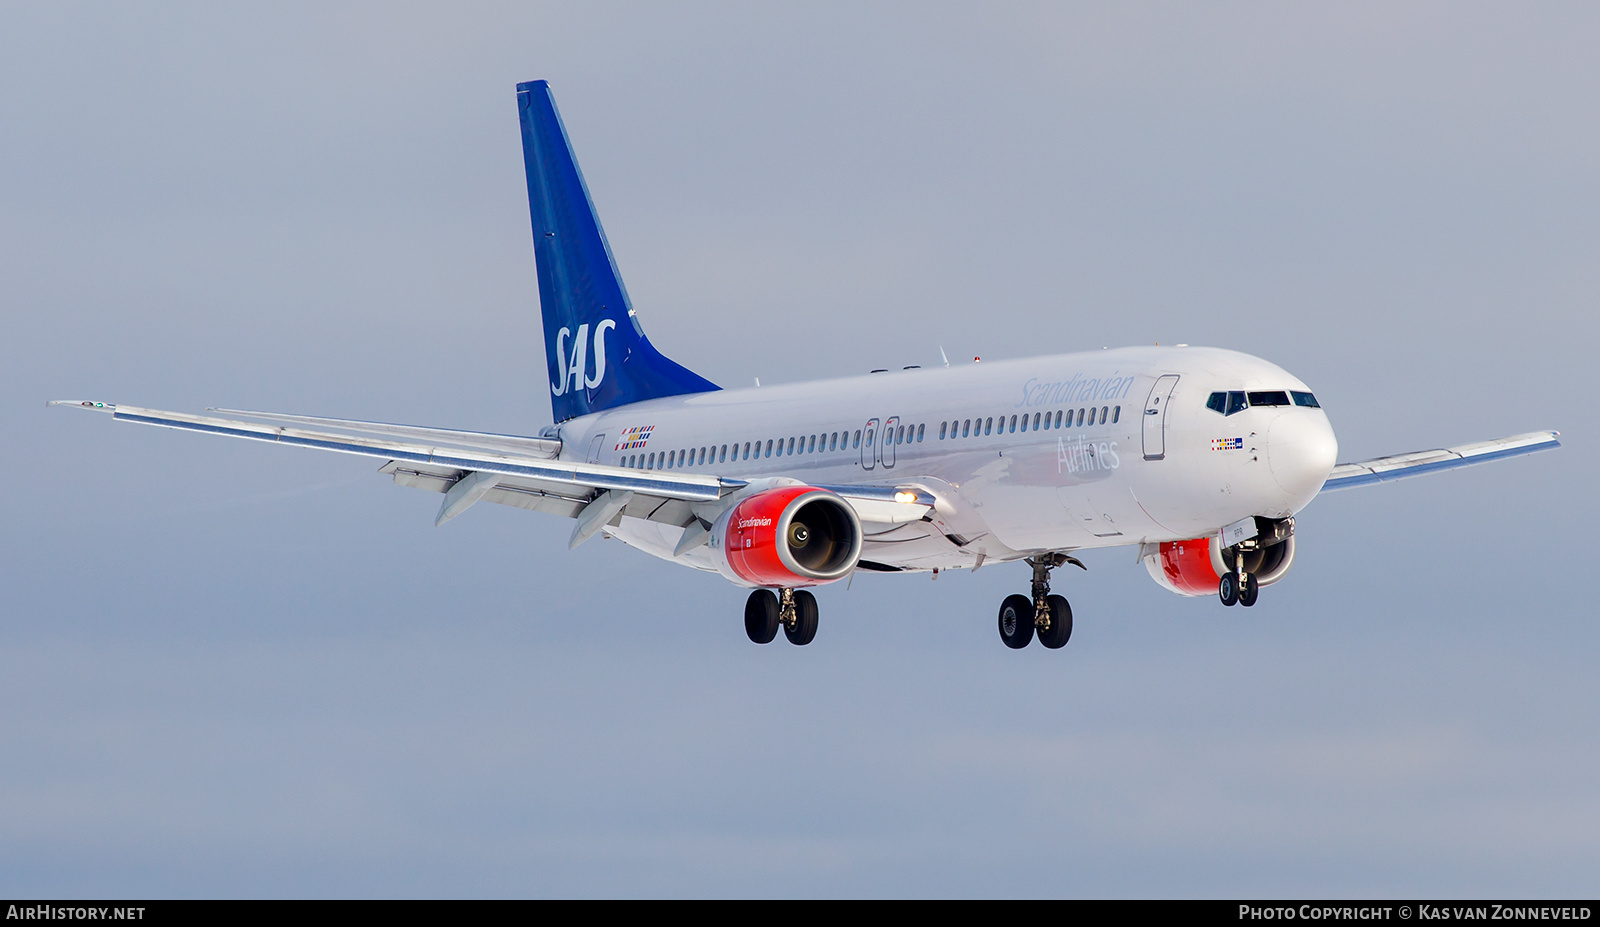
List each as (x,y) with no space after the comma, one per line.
(469,466)
(1418,463)
(496,463)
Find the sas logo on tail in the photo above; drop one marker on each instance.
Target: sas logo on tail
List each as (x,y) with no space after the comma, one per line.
(572,371)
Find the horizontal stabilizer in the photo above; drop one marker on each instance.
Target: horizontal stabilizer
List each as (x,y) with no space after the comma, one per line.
(545,448)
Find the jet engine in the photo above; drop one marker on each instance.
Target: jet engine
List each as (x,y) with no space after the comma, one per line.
(1195,567)
(787,536)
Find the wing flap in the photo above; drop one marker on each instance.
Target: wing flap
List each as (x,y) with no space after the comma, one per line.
(1419,463)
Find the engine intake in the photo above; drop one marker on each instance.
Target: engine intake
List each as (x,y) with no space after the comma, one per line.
(788,536)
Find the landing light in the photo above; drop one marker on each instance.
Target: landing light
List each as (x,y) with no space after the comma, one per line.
(906,497)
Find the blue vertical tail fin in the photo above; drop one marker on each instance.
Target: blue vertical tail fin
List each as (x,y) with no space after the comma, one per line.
(599,357)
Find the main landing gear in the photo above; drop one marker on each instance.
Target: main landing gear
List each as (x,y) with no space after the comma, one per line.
(793,610)
(1046,616)
(1238,585)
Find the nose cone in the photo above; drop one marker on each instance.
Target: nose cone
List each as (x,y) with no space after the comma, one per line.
(1301,450)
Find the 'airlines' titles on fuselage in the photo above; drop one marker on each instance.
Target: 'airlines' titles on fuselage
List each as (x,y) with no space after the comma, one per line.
(1075,453)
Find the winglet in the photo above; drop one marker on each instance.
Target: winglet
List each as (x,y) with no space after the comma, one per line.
(85,404)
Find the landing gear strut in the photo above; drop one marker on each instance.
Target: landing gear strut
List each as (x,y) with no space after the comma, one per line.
(1048,616)
(1238,585)
(794,611)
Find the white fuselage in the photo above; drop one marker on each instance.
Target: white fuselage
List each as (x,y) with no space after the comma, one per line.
(1051,453)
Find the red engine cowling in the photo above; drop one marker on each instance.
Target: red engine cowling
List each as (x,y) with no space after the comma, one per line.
(1195,567)
(788,536)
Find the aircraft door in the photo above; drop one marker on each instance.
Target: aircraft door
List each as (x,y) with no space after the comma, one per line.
(1155,417)
(889,428)
(868,433)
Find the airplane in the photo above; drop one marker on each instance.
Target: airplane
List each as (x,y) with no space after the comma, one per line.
(1201,457)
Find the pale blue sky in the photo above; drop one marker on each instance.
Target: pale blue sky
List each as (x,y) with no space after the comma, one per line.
(228,669)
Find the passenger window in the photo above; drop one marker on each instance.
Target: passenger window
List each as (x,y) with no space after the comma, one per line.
(900,435)
(964,427)
(919,433)
(1116,415)
(1235,402)
(1080,418)
(769,448)
(1058,418)
(942,427)
(833,440)
(1103,411)
(1024,423)
(1035,421)
(856,441)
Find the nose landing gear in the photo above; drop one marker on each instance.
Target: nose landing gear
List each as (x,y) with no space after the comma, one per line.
(1238,585)
(1045,615)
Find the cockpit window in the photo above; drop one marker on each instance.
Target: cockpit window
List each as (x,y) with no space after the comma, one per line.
(1233,401)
